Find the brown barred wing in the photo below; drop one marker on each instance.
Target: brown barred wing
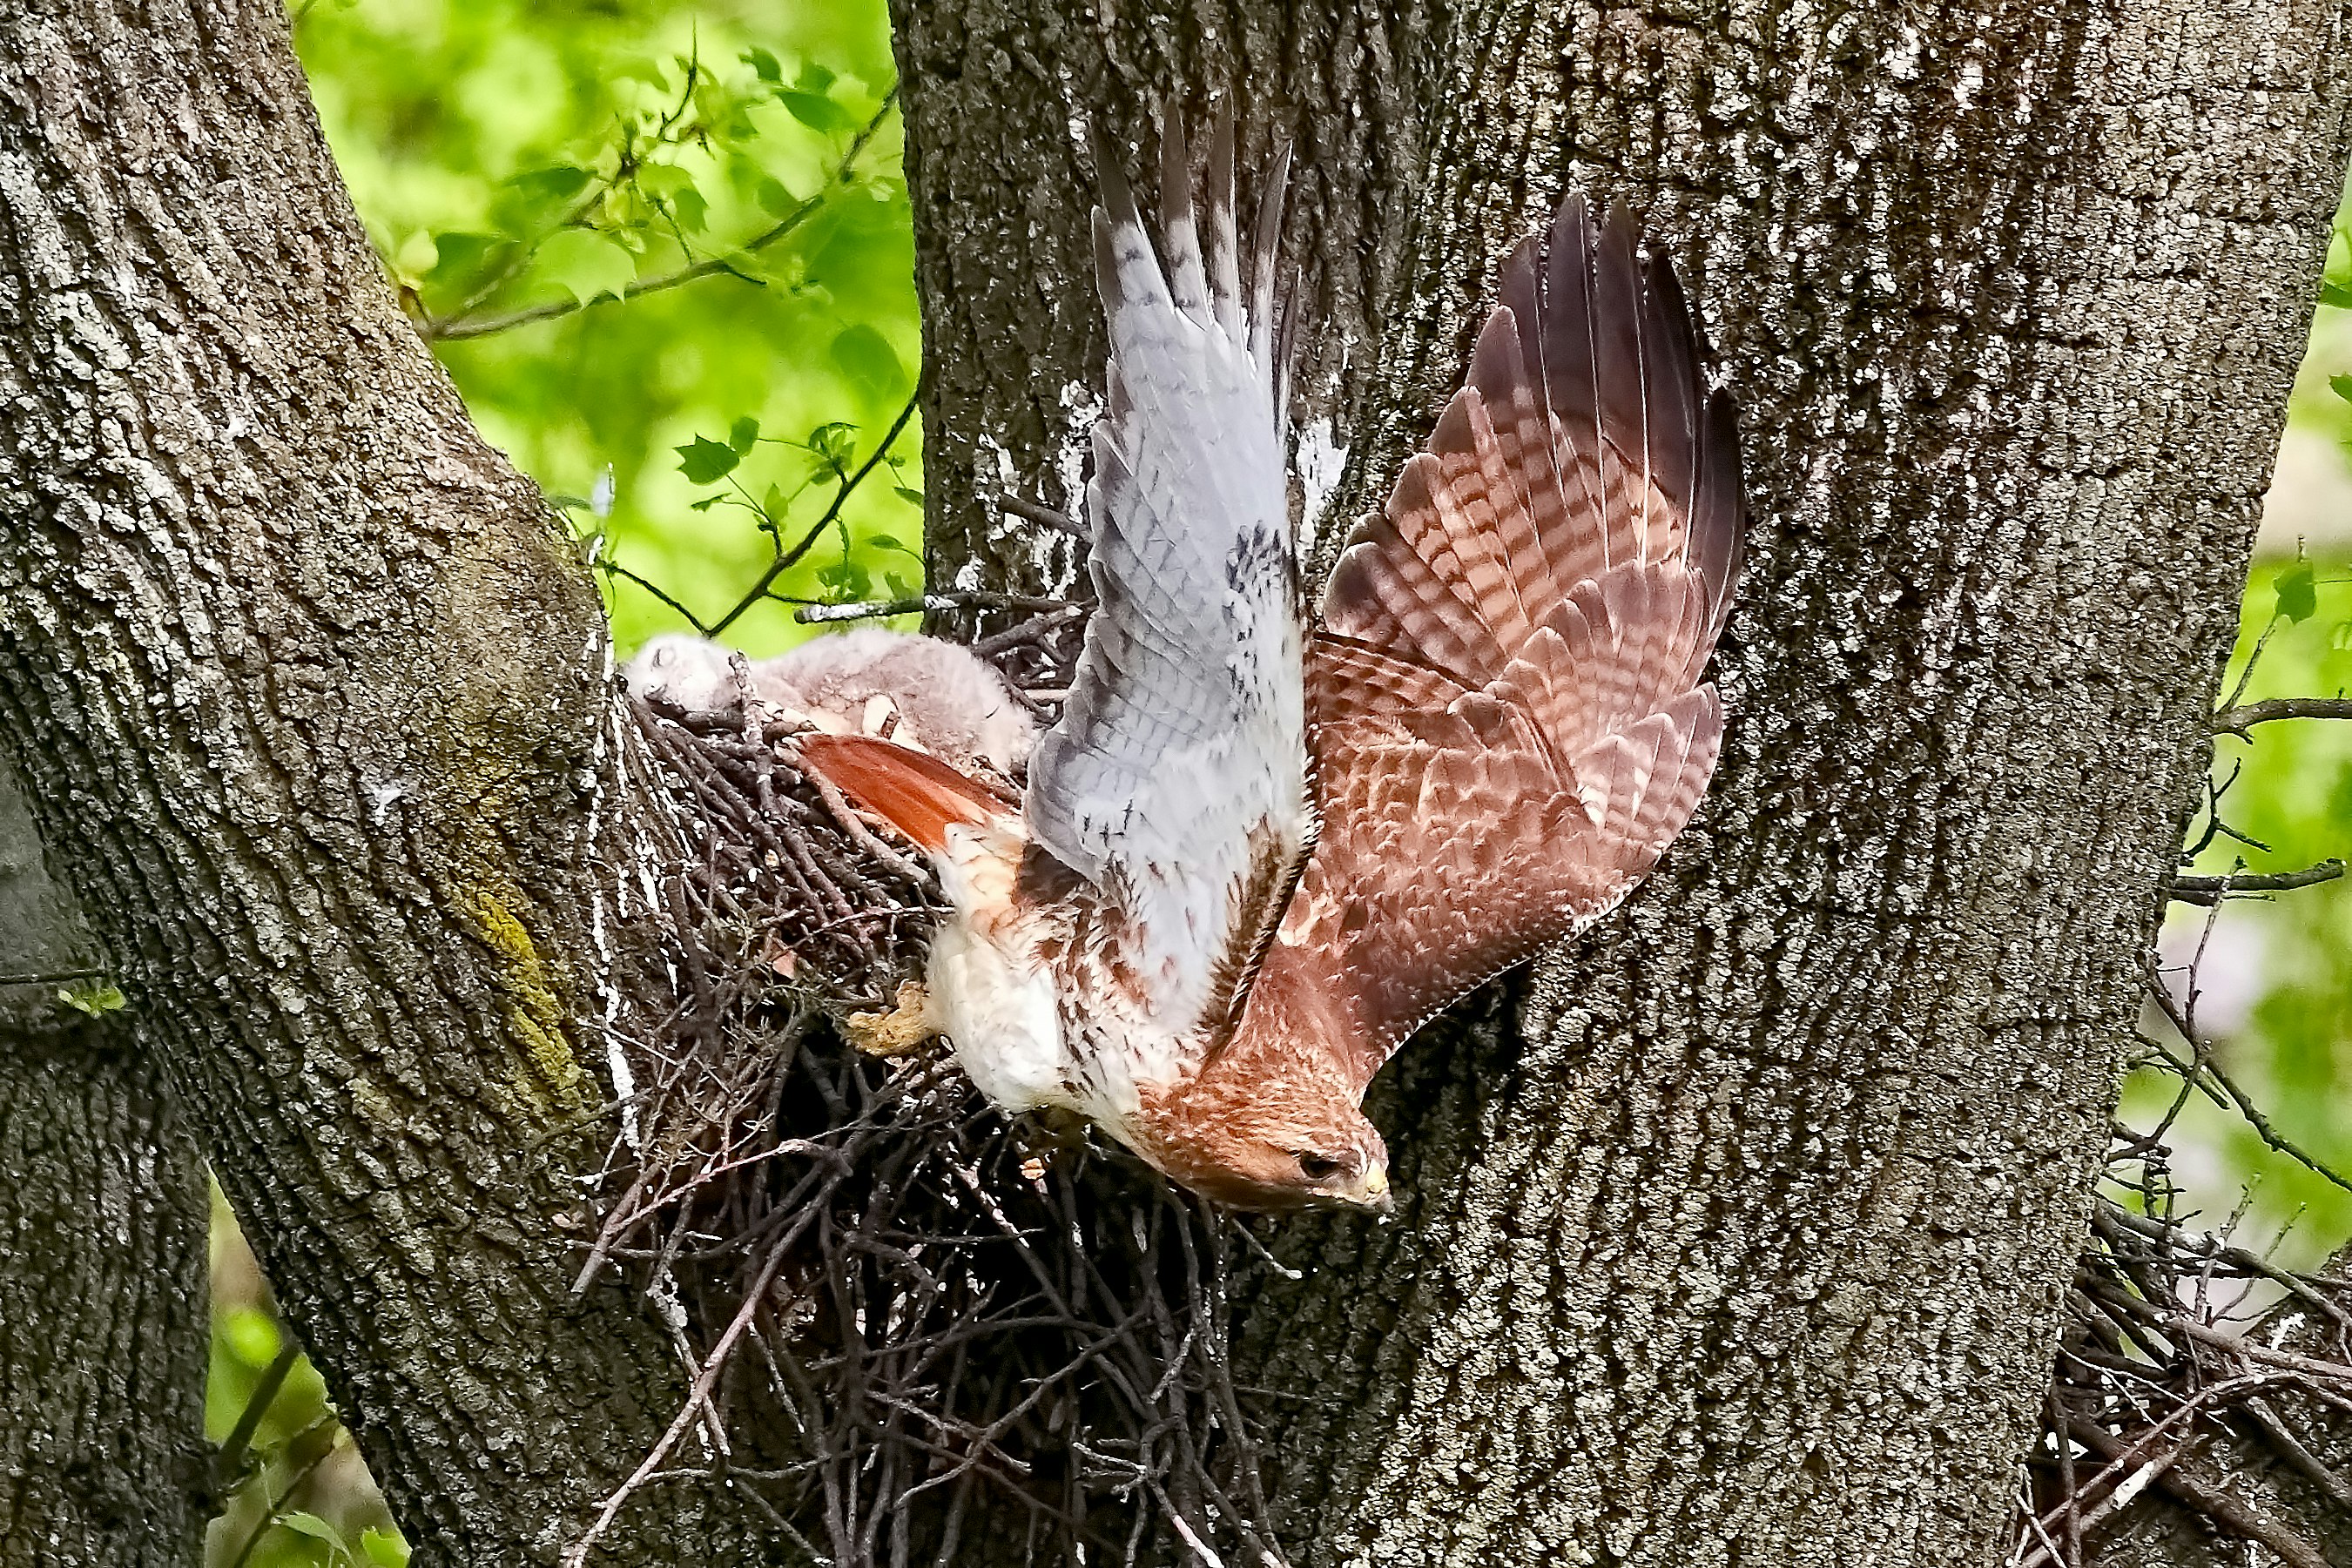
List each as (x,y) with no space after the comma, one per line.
(1505,696)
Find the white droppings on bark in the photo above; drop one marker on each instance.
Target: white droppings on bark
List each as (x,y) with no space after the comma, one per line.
(1320,459)
(1081,407)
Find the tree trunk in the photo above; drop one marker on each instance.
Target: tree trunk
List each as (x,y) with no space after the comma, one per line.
(104,1323)
(312,694)
(1747,1245)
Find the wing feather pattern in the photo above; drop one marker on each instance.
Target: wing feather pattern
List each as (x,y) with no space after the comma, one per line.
(1175,781)
(1504,693)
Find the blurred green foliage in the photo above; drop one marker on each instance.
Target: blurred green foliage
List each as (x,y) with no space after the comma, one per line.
(299,1493)
(671,244)
(513,163)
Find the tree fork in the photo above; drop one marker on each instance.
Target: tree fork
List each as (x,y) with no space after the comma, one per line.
(1754,1247)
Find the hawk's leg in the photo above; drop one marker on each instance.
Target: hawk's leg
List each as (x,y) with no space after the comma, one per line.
(905,1027)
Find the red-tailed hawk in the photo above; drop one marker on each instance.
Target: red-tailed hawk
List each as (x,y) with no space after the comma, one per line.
(1255,854)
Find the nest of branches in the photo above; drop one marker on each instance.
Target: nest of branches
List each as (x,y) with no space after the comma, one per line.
(909,1321)
(2196,1378)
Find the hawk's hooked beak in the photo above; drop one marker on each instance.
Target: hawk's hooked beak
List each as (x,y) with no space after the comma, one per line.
(1371,1194)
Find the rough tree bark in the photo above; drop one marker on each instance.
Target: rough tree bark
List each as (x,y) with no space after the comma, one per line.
(104,1321)
(1751,1252)
(311,691)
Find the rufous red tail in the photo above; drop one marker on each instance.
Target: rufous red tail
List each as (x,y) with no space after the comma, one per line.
(919,795)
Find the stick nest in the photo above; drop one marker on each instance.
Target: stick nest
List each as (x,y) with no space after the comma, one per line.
(910,1322)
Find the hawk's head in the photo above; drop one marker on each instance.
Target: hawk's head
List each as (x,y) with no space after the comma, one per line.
(1261,1142)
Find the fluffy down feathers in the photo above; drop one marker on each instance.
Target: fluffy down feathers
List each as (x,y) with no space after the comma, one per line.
(929,695)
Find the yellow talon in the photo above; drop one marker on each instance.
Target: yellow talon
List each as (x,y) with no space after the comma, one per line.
(905,1027)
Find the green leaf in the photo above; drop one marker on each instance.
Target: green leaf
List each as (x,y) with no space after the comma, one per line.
(845,581)
(2342,385)
(815,110)
(765,65)
(745,430)
(94,997)
(2337,294)
(645,71)
(553,183)
(384,1548)
(586,265)
(814,77)
(912,497)
(316,1529)
(703,460)
(774,198)
(458,256)
(833,446)
(693,211)
(866,357)
(2297,594)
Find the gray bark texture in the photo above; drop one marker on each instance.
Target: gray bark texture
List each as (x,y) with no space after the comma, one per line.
(310,692)
(104,1319)
(1746,1245)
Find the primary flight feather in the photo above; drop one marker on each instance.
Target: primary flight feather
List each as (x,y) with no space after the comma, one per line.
(1255,854)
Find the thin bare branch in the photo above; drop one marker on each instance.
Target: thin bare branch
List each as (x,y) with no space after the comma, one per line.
(2208,890)
(2239,719)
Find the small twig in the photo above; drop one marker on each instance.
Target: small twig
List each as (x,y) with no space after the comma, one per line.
(697,1397)
(2225,1091)
(277,1509)
(611,567)
(2232,1513)
(2246,675)
(2208,890)
(1031,511)
(230,1458)
(2243,717)
(52,977)
(924,603)
(1028,631)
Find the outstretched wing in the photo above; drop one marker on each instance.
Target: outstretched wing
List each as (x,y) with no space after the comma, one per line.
(1175,781)
(1509,724)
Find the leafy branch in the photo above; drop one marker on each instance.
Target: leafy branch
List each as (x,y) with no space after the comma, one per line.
(634,169)
(785,560)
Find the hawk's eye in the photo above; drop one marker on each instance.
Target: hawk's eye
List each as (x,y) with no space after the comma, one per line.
(1317,1167)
